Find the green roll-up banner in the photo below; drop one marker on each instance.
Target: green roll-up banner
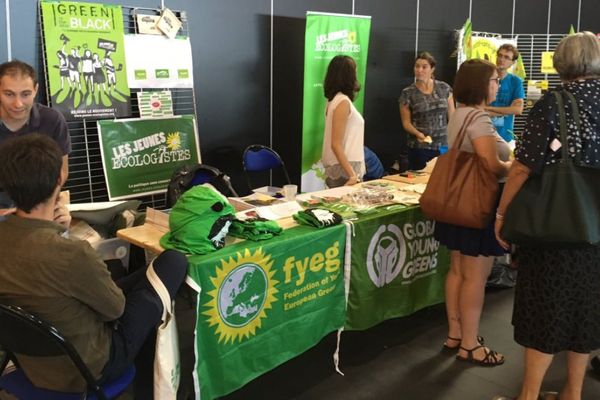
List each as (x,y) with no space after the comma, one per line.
(327,35)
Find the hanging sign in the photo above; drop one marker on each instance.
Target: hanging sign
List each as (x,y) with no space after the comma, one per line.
(140,155)
(85,59)
(547,63)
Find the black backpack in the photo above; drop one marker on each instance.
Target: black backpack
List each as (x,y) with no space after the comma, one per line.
(191,175)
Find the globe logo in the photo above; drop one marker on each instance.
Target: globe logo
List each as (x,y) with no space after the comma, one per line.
(386,255)
(241,296)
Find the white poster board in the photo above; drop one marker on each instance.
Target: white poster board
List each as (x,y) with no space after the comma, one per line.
(158,62)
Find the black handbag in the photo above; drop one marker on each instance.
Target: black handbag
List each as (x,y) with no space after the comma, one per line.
(561,206)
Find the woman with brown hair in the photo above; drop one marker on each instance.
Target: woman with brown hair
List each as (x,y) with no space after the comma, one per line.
(343,154)
(472,250)
(425,107)
(557,296)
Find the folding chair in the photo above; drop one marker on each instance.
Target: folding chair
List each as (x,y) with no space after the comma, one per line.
(258,158)
(23,333)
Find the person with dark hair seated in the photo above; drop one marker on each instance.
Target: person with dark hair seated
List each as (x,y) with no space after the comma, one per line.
(65,282)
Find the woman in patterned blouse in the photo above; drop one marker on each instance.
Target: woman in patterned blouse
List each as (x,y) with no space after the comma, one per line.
(425,107)
(557,297)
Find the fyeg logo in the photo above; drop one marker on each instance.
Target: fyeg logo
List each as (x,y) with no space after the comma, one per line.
(389,247)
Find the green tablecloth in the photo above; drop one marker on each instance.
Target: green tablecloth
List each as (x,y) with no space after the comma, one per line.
(263,303)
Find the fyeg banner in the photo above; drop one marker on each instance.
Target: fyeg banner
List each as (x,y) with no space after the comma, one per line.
(261,304)
(397,268)
(140,155)
(327,35)
(85,59)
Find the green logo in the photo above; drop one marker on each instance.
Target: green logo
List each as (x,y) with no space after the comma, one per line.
(183,73)
(244,289)
(162,73)
(140,74)
(242,295)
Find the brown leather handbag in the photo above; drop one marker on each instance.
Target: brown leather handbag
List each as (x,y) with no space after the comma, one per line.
(461,190)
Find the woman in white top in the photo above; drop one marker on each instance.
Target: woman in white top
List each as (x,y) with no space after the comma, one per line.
(343,153)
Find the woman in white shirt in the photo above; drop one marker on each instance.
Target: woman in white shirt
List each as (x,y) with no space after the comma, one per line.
(343,154)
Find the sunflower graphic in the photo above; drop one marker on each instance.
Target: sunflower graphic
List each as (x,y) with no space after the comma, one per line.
(244,290)
(173,141)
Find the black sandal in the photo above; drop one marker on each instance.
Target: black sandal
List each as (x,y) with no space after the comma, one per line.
(445,346)
(491,359)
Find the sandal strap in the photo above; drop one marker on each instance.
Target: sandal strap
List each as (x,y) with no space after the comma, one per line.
(470,351)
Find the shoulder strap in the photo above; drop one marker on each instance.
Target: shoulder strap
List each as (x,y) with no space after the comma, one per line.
(463,129)
(162,292)
(576,119)
(562,126)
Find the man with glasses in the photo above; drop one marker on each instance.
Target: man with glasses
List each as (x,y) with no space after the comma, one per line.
(509,100)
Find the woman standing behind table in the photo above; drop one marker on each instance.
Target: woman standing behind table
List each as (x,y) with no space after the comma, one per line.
(425,107)
(557,297)
(472,250)
(343,153)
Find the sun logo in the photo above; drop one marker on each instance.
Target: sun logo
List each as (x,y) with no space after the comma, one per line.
(351,37)
(173,141)
(244,289)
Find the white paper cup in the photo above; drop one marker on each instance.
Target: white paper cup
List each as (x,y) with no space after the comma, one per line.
(289,192)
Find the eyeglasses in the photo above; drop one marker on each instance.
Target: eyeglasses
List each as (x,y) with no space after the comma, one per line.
(504,56)
(497,80)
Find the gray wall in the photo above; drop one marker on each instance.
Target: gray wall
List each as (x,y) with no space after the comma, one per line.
(234,70)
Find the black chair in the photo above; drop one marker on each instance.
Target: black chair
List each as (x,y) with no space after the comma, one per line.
(259,158)
(25,334)
(188,176)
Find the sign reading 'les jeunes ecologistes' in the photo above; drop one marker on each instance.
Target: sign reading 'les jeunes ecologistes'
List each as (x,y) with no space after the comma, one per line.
(139,156)
(85,59)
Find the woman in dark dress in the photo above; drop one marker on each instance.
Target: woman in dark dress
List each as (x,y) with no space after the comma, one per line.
(472,250)
(557,297)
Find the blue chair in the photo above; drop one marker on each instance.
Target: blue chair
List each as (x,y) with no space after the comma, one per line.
(23,333)
(259,158)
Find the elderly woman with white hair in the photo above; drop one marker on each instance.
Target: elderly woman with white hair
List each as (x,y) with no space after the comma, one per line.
(557,297)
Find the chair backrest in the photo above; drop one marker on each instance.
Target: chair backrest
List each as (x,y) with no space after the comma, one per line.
(24,333)
(257,158)
(188,176)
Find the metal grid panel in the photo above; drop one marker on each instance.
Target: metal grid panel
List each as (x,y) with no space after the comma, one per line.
(86,181)
(531,47)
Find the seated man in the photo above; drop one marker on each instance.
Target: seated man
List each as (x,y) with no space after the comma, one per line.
(65,282)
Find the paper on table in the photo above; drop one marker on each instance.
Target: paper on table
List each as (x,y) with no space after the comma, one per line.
(278,211)
(333,192)
(417,188)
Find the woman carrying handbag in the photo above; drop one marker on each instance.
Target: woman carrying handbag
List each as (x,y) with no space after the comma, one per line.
(557,296)
(472,249)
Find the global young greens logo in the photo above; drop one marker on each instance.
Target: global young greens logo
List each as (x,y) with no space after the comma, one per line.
(386,254)
(244,290)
